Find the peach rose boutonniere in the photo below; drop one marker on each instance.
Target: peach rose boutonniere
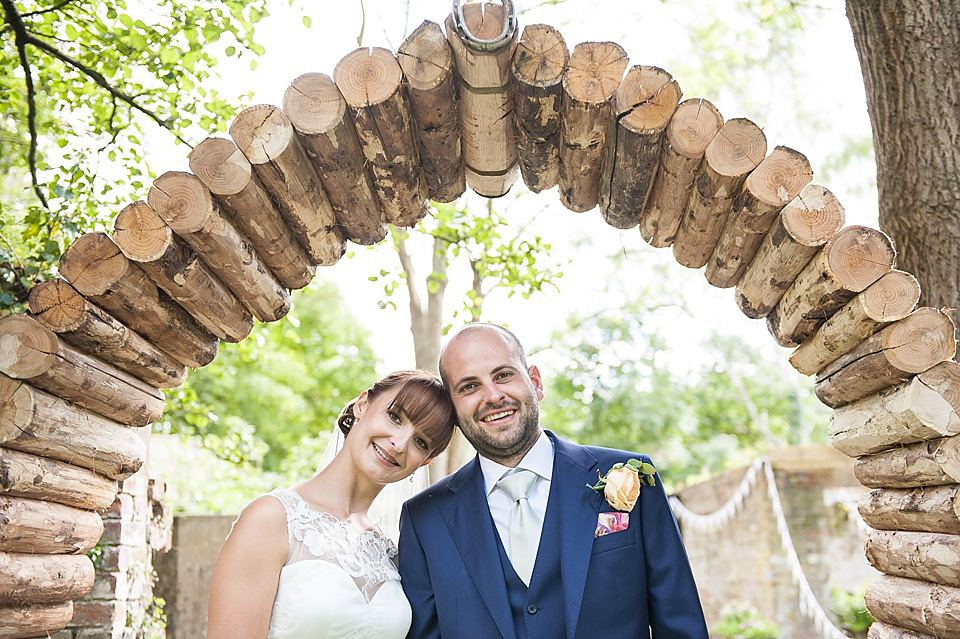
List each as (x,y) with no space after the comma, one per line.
(621,485)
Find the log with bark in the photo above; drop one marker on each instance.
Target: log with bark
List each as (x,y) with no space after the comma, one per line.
(924,408)
(691,130)
(43,579)
(26,475)
(320,116)
(915,605)
(183,202)
(768,189)
(932,557)
(265,135)
(98,270)
(43,527)
(889,299)
(486,98)
(428,67)
(145,238)
(40,620)
(934,509)
(592,77)
(852,260)
(642,108)
(930,463)
(737,149)
(228,174)
(371,82)
(804,225)
(893,355)
(36,422)
(59,307)
(880,630)
(31,352)
(538,65)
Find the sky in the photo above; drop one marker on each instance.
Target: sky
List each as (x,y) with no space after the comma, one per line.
(824,76)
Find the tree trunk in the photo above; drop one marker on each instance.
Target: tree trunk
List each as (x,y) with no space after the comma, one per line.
(911,72)
(39,579)
(931,557)
(26,475)
(916,605)
(59,307)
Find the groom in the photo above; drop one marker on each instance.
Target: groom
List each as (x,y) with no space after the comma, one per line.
(515,544)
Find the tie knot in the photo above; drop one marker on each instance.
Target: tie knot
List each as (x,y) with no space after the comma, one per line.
(517,484)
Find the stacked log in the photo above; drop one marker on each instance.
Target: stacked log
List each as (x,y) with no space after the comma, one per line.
(34,620)
(26,475)
(849,262)
(918,606)
(43,579)
(486,96)
(642,107)
(43,527)
(99,271)
(692,128)
(931,557)
(771,186)
(427,64)
(890,298)
(371,82)
(736,150)
(146,239)
(33,353)
(264,134)
(804,225)
(913,345)
(228,174)
(188,207)
(924,408)
(592,77)
(59,307)
(538,65)
(323,124)
(927,463)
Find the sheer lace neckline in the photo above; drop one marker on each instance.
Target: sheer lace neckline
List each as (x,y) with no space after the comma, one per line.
(325,514)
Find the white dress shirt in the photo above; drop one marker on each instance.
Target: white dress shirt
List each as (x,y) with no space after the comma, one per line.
(538,459)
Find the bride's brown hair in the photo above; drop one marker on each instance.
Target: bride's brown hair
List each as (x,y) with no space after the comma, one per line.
(421,398)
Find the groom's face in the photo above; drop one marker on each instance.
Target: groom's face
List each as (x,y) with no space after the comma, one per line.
(495,396)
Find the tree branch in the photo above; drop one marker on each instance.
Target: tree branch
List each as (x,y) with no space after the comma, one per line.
(55,7)
(363,23)
(476,307)
(416,307)
(22,38)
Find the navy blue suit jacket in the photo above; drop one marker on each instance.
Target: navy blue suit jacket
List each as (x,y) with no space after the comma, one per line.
(633,584)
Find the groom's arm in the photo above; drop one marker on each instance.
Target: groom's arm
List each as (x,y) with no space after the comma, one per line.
(672,599)
(415,579)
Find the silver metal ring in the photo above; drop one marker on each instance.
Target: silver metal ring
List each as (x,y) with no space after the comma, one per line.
(486,44)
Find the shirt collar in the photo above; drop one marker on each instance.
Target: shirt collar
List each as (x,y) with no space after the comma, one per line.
(538,459)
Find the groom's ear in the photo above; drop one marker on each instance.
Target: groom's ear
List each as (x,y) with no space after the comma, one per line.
(534,374)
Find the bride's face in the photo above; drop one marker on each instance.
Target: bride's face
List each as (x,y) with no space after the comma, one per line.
(385,443)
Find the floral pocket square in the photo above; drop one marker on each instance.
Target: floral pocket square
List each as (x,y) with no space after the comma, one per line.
(611,523)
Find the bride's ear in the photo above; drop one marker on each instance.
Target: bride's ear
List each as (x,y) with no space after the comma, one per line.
(360,405)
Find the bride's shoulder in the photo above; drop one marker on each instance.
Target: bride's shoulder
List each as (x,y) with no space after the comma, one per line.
(266,512)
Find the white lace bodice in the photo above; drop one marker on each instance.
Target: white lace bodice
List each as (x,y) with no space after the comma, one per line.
(337,582)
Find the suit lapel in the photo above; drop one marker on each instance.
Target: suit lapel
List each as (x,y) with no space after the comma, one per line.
(574,470)
(468,519)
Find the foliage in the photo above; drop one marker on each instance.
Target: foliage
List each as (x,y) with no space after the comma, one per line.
(851,611)
(263,401)
(740,620)
(82,89)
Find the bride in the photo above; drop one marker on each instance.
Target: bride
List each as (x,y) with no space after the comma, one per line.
(306,561)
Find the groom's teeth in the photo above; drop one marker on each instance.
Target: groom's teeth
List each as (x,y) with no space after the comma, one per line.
(490,418)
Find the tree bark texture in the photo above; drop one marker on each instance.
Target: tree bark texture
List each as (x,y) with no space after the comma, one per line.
(931,557)
(916,605)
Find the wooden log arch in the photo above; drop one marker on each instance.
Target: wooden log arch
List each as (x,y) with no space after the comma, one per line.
(272,206)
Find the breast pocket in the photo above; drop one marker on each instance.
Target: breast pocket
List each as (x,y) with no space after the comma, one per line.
(613,541)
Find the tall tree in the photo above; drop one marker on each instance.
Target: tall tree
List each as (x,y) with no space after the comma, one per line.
(910,56)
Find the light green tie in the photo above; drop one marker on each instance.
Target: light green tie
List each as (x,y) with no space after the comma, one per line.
(525,525)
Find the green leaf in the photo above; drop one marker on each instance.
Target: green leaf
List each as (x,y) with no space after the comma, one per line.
(231,50)
(125,20)
(307,22)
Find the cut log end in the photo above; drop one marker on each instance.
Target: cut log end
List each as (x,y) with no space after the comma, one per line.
(944,378)
(425,57)
(181,200)
(262,132)
(220,166)
(484,20)
(367,76)
(57,305)
(892,297)
(920,341)
(814,216)
(859,256)
(314,104)
(140,233)
(646,99)
(780,177)
(693,126)
(594,71)
(27,347)
(737,149)
(541,56)
(92,263)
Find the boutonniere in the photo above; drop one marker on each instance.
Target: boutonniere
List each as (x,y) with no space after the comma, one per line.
(621,485)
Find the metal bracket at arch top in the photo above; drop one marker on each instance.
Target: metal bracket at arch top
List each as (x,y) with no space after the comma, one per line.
(486,44)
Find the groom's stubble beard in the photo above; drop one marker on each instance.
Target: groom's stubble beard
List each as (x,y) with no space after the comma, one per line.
(519,442)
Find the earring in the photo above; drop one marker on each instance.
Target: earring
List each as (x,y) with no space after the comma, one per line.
(411,477)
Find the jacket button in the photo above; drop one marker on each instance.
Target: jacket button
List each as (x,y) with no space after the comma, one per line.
(532,609)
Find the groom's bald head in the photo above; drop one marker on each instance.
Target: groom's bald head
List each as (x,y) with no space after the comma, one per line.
(477,329)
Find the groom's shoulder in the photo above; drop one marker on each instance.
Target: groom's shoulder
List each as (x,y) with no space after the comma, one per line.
(610,455)
(436,494)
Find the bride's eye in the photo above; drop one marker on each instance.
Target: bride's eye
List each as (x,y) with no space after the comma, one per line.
(394,417)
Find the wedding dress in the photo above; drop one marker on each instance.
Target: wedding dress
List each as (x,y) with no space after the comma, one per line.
(338,582)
